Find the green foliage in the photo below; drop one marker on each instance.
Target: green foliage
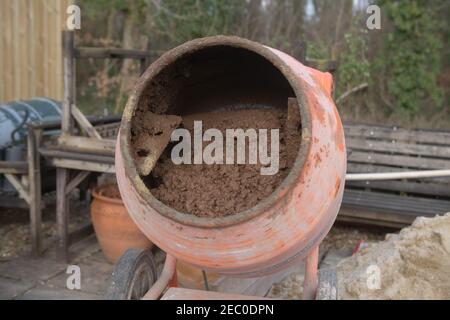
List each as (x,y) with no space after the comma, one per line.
(354,67)
(317,51)
(411,59)
(180,21)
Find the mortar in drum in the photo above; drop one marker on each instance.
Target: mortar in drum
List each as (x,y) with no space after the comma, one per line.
(281,229)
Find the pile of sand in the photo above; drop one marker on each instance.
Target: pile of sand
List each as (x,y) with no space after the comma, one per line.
(414,264)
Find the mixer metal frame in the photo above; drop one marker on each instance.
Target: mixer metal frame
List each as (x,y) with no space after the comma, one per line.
(136,271)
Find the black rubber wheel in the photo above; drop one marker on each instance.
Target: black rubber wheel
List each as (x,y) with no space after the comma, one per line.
(133,275)
(327,288)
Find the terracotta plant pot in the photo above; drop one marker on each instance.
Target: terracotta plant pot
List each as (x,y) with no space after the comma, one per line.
(115,230)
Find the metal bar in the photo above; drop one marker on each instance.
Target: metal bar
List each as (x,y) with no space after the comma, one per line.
(160,285)
(205,280)
(310,282)
(397,175)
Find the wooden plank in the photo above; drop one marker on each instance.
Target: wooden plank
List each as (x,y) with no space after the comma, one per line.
(16,49)
(395,133)
(45,48)
(89,145)
(83,165)
(373,218)
(7,38)
(52,153)
(108,131)
(14,167)
(34,176)
(432,189)
(32,48)
(408,204)
(397,160)
(397,147)
(23,49)
(76,181)
(60,14)
(18,186)
(2,51)
(84,123)
(394,203)
(113,53)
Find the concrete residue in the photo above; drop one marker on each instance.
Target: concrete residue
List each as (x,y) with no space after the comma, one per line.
(224,189)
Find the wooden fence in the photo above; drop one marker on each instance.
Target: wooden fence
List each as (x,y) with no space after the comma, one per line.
(30,48)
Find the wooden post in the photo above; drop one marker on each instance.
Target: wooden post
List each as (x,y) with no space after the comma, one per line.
(301,52)
(62,213)
(62,205)
(142,65)
(68,39)
(34,174)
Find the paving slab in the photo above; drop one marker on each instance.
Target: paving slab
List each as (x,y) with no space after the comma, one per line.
(46,292)
(28,268)
(95,275)
(84,248)
(11,288)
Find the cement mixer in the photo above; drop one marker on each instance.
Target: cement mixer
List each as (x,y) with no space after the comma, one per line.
(280,231)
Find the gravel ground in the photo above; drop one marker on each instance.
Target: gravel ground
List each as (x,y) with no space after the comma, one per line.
(15,228)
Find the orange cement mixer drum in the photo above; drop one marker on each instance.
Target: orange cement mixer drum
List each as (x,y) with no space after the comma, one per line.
(281,229)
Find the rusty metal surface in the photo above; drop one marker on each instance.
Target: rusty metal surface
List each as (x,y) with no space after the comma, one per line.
(310,283)
(282,229)
(168,273)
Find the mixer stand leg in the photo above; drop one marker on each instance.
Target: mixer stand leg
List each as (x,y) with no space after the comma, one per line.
(310,283)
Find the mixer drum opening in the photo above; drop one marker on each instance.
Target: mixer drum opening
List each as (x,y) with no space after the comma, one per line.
(219,75)
(225,88)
